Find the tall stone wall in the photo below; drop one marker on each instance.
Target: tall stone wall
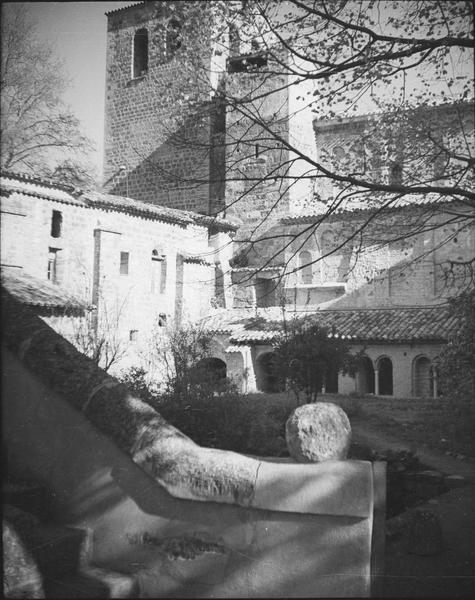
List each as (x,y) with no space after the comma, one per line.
(159,125)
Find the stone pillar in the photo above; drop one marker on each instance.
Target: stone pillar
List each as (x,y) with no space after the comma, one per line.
(435,382)
(376,382)
(250,383)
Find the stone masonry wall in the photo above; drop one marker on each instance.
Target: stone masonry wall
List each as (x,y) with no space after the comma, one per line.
(158,125)
(89,250)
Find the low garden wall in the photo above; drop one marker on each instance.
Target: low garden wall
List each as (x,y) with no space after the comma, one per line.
(182,519)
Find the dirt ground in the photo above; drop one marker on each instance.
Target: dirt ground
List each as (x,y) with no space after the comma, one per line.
(451,432)
(442,442)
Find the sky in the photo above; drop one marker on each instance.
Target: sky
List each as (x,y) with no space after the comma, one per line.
(77,30)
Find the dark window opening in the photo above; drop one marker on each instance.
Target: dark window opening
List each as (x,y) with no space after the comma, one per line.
(396,174)
(246,62)
(124,263)
(140,63)
(56,223)
(134,335)
(52,272)
(265,292)
(162,320)
(173,37)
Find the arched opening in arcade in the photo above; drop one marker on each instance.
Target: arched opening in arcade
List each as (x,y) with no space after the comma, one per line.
(385,376)
(423,384)
(266,376)
(365,376)
(212,370)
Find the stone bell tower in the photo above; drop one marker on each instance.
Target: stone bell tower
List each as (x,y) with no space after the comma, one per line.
(161,122)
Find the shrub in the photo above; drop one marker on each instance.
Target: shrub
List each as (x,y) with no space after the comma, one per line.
(225,420)
(307,355)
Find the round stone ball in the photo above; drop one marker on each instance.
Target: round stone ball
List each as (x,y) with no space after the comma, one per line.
(318,432)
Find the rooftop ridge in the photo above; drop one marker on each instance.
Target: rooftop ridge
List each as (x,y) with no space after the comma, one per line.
(39,180)
(116,10)
(98,199)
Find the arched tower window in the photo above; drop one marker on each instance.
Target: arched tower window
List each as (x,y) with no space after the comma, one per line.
(140,58)
(305,260)
(173,37)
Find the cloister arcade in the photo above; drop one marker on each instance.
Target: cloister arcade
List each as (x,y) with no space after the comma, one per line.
(404,372)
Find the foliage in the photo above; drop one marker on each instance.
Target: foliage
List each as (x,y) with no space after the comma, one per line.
(307,355)
(227,420)
(37,128)
(405,65)
(181,353)
(457,360)
(71,173)
(99,338)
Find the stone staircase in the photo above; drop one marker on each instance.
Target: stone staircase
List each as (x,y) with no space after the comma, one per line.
(43,559)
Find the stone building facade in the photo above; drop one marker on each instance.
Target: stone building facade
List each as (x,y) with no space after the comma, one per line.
(171,143)
(141,266)
(177,117)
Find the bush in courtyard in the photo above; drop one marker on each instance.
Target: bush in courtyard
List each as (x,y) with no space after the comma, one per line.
(457,360)
(226,420)
(306,356)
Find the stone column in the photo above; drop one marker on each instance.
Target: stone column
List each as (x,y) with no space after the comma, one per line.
(435,382)
(376,382)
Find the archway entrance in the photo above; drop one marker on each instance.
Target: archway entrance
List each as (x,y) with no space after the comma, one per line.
(423,384)
(267,380)
(331,381)
(385,376)
(212,370)
(365,376)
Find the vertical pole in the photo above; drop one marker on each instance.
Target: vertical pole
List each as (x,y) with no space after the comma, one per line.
(376,382)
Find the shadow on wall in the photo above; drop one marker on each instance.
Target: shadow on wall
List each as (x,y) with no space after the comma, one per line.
(177,173)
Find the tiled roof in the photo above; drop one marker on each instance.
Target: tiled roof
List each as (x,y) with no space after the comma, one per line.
(116,10)
(435,323)
(354,207)
(131,206)
(32,291)
(392,325)
(33,186)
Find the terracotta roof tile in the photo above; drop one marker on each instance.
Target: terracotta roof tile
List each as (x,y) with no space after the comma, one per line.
(392,325)
(36,292)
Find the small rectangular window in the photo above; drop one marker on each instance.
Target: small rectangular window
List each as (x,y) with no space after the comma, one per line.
(134,335)
(124,263)
(56,223)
